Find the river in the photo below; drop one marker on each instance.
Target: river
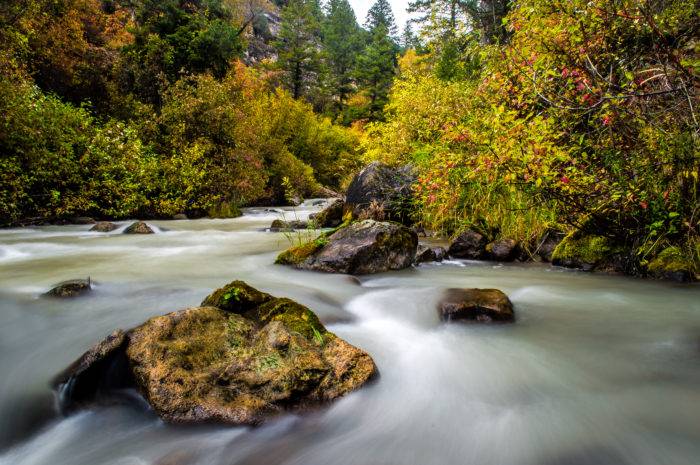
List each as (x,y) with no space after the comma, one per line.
(597,370)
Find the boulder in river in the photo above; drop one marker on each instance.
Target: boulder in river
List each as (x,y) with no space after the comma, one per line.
(71,288)
(547,243)
(470,245)
(104,227)
(331,216)
(241,357)
(364,247)
(139,228)
(381,189)
(585,252)
(503,250)
(479,305)
(281,225)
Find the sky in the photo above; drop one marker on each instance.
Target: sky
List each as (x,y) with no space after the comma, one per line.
(399,7)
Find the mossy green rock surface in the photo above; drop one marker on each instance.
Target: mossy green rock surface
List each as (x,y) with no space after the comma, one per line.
(587,252)
(672,264)
(364,247)
(241,357)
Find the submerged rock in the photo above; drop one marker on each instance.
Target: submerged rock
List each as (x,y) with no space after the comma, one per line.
(364,247)
(381,189)
(503,250)
(480,305)
(139,228)
(329,217)
(242,356)
(470,245)
(72,288)
(104,227)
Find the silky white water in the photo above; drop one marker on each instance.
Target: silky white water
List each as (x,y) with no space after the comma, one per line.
(597,370)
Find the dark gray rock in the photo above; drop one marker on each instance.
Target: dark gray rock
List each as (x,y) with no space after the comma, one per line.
(547,243)
(329,217)
(104,227)
(383,189)
(180,216)
(503,250)
(479,305)
(82,220)
(470,245)
(281,225)
(139,228)
(426,254)
(365,247)
(72,288)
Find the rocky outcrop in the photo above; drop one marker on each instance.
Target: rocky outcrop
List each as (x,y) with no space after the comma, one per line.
(382,192)
(329,217)
(469,245)
(426,254)
(104,227)
(478,305)
(503,250)
(364,247)
(139,228)
(241,357)
(72,288)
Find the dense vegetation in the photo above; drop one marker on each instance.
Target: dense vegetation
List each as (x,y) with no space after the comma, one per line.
(118,108)
(576,115)
(520,116)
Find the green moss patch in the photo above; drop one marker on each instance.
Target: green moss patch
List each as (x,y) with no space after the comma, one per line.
(236,297)
(672,260)
(583,249)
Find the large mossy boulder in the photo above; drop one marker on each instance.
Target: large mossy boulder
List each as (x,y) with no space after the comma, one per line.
(239,358)
(380,190)
(476,305)
(364,247)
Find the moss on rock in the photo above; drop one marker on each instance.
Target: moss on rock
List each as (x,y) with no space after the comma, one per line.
(582,251)
(673,263)
(236,297)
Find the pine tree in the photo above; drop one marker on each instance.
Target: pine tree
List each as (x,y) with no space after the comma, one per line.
(343,42)
(445,15)
(381,14)
(376,69)
(298,47)
(409,39)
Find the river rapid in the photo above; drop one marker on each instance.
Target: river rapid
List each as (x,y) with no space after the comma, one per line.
(597,370)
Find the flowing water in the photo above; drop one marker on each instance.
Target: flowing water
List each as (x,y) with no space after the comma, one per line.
(597,370)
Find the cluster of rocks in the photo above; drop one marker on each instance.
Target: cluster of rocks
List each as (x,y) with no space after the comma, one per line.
(138,227)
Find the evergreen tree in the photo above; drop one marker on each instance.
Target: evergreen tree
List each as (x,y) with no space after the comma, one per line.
(376,69)
(381,15)
(444,15)
(409,39)
(298,48)
(343,42)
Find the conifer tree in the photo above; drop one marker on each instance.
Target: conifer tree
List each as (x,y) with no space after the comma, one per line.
(381,14)
(298,47)
(343,42)
(376,69)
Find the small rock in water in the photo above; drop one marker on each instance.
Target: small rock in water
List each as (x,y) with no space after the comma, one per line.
(82,220)
(470,245)
(180,216)
(426,254)
(331,216)
(504,250)
(480,305)
(104,227)
(139,228)
(72,288)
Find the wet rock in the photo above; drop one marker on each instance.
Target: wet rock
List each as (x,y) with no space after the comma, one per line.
(585,252)
(329,217)
(281,225)
(364,247)
(504,250)
(139,228)
(479,305)
(470,245)
(104,227)
(241,357)
(547,243)
(72,288)
(379,188)
(325,193)
(426,254)
(673,265)
(180,216)
(82,220)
